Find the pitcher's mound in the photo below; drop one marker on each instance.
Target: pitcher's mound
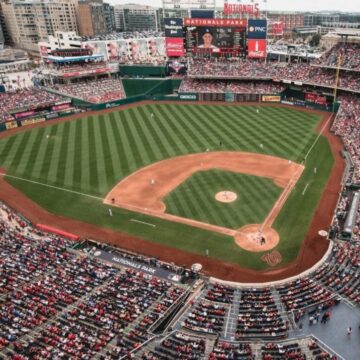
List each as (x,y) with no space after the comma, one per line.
(250,238)
(226,196)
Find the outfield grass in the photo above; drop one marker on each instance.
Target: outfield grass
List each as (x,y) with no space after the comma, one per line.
(92,154)
(195,198)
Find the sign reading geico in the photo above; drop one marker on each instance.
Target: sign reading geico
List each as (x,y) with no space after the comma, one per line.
(173,27)
(257,29)
(188,96)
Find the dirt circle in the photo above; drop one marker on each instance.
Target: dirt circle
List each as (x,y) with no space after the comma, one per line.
(249,238)
(226,196)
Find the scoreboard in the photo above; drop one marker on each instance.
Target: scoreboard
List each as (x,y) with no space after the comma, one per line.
(215,37)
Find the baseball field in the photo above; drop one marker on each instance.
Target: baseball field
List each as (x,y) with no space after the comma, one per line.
(70,167)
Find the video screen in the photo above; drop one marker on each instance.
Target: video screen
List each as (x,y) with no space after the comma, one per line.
(215,41)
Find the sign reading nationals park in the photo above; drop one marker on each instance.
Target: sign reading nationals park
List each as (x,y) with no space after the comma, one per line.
(215,22)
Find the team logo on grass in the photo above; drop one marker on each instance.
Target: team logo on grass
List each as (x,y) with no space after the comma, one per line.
(272,258)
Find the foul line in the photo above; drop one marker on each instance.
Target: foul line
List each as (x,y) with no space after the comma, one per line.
(50,186)
(304,191)
(142,222)
(317,138)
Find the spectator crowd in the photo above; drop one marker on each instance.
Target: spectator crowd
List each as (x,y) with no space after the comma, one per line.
(25,99)
(94,91)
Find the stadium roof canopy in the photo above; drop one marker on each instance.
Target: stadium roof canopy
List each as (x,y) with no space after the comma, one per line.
(346,32)
(60,59)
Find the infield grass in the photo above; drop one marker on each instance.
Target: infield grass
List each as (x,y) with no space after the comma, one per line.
(92,154)
(195,198)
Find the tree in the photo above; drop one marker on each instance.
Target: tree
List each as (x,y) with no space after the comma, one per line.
(315,40)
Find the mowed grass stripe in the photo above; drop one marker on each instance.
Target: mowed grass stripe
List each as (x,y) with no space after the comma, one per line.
(39,142)
(61,166)
(6,149)
(35,171)
(265,135)
(208,136)
(119,148)
(94,174)
(26,154)
(50,145)
(160,148)
(56,154)
(198,192)
(230,125)
(219,214)
(77,157)
(85,157)
(139,121)
(192,132)
(170,133)
(133,139)
(163,136)
(19,151)
(101,163)
(139,137)
(107,153)
(180,126)
(112,148)
(125,139)
(70,156)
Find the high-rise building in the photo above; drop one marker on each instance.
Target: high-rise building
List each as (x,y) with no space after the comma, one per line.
(132,17)
(2,39)
(95,18)
(30,21)
(182,8)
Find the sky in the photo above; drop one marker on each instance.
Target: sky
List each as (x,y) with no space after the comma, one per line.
(303,5)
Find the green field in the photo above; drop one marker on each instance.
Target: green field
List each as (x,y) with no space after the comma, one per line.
(90,155)
(194,198)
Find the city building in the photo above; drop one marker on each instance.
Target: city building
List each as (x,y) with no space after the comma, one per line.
(95,18)
(183,8)
(133,17)
(2,39)
(30,21)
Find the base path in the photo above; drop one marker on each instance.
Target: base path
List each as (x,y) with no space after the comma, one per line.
(144,190)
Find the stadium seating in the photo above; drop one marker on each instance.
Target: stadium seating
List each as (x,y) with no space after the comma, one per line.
(94,91)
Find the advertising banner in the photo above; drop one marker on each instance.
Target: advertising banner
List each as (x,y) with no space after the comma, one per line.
(275,28)
(257,48)
(173,27)
(24,114)
(11,125)
(60,107)
(257,29)
(215,22)
(270,98)
(31,121)
(174,47)
(190,96)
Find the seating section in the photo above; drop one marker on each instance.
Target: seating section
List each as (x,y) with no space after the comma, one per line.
(28,98)
(94,91)
(179,346)
(259,316)
(206,317)
(342,272)
(236,87)
(347,53)
(234,351)
(254,69)
(302,293)
(220,293)
(272,351)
